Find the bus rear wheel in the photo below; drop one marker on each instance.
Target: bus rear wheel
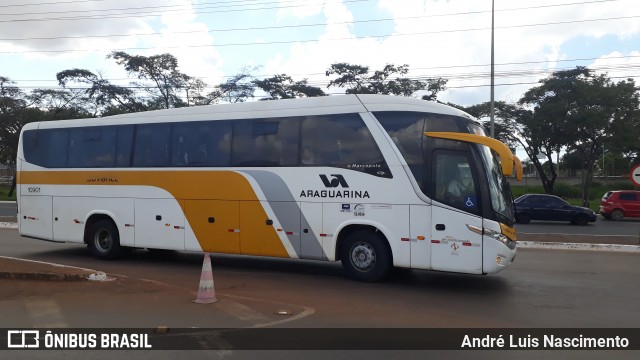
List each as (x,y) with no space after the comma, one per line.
(103,240)
(365,256)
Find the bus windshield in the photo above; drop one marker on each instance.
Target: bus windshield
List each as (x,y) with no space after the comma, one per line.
(499,189)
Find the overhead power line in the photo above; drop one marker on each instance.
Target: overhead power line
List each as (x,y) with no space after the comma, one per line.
(317,40)
(450,77)
(531,71)
(50,3)
(154,13)
(225,2)
(281,26)
(160,10)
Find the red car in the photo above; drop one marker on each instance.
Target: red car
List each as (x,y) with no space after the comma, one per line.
(616,205)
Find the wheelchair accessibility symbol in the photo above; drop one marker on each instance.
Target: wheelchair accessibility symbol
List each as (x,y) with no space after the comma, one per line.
(469,202)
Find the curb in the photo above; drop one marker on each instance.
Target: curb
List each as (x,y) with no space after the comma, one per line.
(8,225)
(578,246)
(25,269)
(42,276)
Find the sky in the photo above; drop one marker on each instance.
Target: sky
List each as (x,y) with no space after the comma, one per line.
(215,39)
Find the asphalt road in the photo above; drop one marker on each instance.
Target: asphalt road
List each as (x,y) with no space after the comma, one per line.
(628,227)
(8,209)
(542,289)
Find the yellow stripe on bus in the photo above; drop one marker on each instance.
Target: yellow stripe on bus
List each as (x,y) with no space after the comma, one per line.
(227,192)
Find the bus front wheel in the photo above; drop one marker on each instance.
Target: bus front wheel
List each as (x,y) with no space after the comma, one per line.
(103,240)
(365,256)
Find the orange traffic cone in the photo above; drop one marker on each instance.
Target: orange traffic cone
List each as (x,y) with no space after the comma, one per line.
(206,291)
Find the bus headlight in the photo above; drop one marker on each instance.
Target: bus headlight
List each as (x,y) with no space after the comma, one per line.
(498,236)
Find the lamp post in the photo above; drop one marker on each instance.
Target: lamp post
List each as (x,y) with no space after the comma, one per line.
(492,132)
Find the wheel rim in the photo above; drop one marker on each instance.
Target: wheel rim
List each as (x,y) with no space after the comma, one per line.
(363,256)
(617,215)
(103,240)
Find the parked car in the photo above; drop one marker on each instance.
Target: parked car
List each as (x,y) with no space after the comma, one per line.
(549,207)
(616,205)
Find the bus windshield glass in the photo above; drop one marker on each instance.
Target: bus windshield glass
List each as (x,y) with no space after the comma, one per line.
(501,198)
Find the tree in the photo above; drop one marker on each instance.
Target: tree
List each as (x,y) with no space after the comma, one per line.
(61,104)
(583,110)
(571,162)
(161,70)
(105,96)
(14,113)
(282,86)
(356,80)
(236,89)
(515,126)
(506,121)
(194,89)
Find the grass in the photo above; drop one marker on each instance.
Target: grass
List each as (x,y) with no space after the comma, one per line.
(4,193)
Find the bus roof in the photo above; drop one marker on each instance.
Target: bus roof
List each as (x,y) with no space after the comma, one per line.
(260,109)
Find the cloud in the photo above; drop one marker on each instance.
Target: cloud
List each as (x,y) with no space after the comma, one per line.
(444,38)
(300,10)
(46,31)
(64,26)
(183,36)
(618,65)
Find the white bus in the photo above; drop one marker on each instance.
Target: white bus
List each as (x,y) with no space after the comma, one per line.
(367,180)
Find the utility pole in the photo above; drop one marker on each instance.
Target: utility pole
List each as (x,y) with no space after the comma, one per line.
(492,133)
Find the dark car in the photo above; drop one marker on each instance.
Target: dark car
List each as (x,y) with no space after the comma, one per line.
(550,208)
(616,205)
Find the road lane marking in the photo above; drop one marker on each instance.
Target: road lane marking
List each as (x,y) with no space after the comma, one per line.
(574,246)
(568,234)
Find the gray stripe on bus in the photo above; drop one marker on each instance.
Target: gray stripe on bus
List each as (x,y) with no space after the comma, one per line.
(288,212)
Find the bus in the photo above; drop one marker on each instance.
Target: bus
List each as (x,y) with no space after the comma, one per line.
(361,179)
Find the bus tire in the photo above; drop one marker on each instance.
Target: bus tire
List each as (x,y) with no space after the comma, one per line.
(103,240)
(365,256)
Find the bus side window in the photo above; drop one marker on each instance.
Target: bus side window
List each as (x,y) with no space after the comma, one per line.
(454,182)
(152,145)
(35,145)
(265,142)
(124,143)
(342,140)
(406,130)
(57,147)
(92,147)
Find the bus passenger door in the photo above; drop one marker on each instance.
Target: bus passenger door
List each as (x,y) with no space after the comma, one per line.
(159,224)
(454,246)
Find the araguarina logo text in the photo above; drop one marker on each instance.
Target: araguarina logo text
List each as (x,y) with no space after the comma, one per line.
(337,180)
